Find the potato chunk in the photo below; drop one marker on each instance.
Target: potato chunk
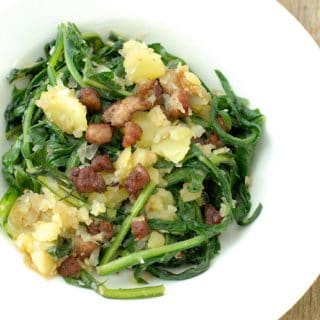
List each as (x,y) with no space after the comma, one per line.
(172,142)
(161,206)
(62,107)
(141,63)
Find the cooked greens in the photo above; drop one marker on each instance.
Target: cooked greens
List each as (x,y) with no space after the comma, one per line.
(90,213)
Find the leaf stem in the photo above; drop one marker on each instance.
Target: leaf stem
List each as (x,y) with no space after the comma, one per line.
(134,293)
(137,207)
(141,256)
(6,203)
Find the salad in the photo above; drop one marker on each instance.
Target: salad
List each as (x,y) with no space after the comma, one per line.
(122,158)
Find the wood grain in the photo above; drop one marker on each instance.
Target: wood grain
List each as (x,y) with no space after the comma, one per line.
(308,13)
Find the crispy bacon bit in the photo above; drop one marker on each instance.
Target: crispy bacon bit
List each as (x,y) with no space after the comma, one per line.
(90,98)
(86,180)
(102,163)
(184,98)
(178,105)
(120,112)
(132,133)
(215,140)
(99,133)
(172,80)
(150,93)
(140,229)
(136,181)
(69,267)
(101,226)
(83,249)
(211,215)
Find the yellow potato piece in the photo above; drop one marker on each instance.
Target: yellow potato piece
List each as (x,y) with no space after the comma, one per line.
(149,123)
(46,231)
(44,262)
(62,107)
(141,63)
(161,206)
(111,198)
(156,240)
(127,161)
(186,195)
(172,142)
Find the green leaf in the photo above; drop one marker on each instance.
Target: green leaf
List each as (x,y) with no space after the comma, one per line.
(62,249)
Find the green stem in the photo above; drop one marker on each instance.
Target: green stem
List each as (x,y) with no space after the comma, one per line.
(137,207)
(27,118)
(141,256)
(92,83)
(68,56)
(228,138)
(6,203)
(55,58)
(215,171)
(134,293)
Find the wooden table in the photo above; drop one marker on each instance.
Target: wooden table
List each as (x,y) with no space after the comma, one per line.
(308,13)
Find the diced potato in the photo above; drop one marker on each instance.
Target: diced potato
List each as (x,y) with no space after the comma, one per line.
(97,207)
(156,240)
(123,164)
(197,130)
(143,156)
(172,142)
(83,215)
(206,148)
(161,206)
(127,161)
(62,107)
(186,195)
(25,242)
(150,122)
(111,198)
(44,262)
(141,63)
(202,111)
(192,79)
(46,231)
(154,175)
(148,128)
(158,118)
(115,196)
(66,216)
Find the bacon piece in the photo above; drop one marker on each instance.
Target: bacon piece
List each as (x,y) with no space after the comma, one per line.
(136,181)
(101,226)
(83,249)
(178,105)
(120,112)
(86,180)
(69,267)
(211,215)
(150,93)
(99,133)
(140,229)
(91,99)
(102,163)
(132,133)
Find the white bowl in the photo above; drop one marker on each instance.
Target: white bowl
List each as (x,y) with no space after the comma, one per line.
(262,269)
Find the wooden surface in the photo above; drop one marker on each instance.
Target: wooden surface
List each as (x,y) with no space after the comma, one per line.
(308,13)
